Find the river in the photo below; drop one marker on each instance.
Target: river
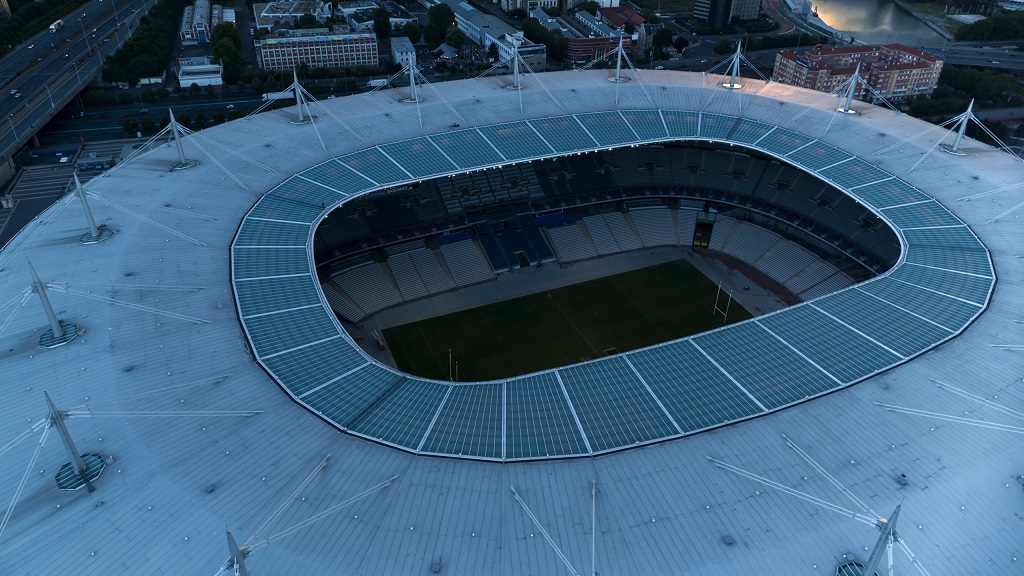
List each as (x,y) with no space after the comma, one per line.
(875,22)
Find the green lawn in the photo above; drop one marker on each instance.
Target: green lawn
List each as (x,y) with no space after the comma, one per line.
(563,326)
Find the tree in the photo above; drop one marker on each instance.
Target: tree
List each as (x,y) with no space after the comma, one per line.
(307,21)
(456,38)
(650,16)
(382,23)
(534,30)
(433,35)
(441,16)
(680,43)
(492,52)
(662,38)
(590,6)
(629,28)
(723,46)
(226,30)
(517,14)
(556,44)
(411,30)
(230,57)
(551,11)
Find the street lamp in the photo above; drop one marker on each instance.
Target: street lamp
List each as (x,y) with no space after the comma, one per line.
(84,35)
(11,120)
(50,95)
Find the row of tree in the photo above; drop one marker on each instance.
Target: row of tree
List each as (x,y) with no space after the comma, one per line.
(148,51)
(1005,26)
(226,45)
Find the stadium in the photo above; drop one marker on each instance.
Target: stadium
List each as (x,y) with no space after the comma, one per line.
(215,376)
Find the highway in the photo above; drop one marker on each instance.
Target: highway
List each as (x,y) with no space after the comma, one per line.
(54,80)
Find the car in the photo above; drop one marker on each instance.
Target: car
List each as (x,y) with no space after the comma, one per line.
(13,92)
(659,67)
(31,46)
(66,56)
(18,95)
(93,35)
(231,106)
(994,61)
(144,111)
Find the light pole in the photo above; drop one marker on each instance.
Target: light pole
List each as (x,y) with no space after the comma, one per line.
(50,95)
(75,64)
(84,35)
(11,120)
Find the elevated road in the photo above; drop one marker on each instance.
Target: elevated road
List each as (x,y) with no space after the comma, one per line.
(59,71)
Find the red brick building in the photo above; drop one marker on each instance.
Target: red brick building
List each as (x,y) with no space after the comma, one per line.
(895,71)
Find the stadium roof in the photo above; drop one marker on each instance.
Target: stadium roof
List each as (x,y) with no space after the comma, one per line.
(635,398)
(164,369)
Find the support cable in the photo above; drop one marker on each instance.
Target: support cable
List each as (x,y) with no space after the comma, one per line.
(544,532)
(24,478)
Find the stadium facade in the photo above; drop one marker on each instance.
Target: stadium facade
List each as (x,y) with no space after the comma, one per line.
(197,437)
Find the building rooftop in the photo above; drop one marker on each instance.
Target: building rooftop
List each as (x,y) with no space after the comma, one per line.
(198,437)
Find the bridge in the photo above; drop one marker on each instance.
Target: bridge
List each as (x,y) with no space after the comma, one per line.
(70,60)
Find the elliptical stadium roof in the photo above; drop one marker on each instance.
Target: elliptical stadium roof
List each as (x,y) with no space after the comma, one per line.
(161,335)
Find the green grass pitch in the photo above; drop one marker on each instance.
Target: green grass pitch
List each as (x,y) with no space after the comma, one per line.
(562,326)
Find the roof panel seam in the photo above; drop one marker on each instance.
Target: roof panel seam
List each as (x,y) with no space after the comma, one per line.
(443,153)
(934,227)
(858,332)
(872,183)
(902,309)
(491,144)
(395,162)
(271,277)
(333,380)
(636,137)
(798,353)
(579,425)
(302,346)
(976,275)
(322,185)
(933,291)
(278,220)
(261,314)
(653,395)
(437,413)
(580,124)
(542,138)
(727,375)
